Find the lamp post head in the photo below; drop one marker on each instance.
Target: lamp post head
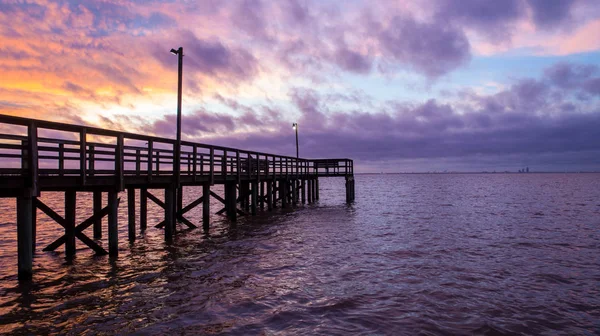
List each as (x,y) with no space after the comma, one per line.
(294,125)
(176,51)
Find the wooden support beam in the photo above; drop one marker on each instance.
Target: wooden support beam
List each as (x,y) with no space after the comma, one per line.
(191,205)
(309,191)
(143,209)
(169,214)
(79,232)
(70,207)
(230,200)
(348,189)
(33,225)
(316,188)
(113,224)
(283,192)
(294,192)
(303,190)
(179,198)
(25,210)
(219,198)
(269,195)
(49,212)
(262,196)
(131,214)
(206,206)
(156,200)
(254,198)
(97,200)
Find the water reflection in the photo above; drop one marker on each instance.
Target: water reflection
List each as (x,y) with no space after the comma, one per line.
(440,254)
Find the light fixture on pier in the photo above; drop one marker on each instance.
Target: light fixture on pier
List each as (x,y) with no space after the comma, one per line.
(295,127)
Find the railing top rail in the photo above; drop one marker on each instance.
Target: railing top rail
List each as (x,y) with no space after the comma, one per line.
(14,120)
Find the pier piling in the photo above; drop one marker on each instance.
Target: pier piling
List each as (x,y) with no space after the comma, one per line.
(24,237)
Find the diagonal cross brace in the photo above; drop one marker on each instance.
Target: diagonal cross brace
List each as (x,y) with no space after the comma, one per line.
(78,229)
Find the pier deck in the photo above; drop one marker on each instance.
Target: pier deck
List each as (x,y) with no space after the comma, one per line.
(38,156)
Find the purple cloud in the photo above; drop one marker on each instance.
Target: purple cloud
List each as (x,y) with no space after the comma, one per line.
(210,58)
(430,48)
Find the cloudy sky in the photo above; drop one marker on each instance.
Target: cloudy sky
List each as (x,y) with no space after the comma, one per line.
(416,85)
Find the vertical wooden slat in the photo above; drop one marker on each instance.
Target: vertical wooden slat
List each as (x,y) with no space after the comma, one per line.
(83,156)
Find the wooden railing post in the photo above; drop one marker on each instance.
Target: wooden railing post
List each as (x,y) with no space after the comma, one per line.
(239,171)
(212,166)
(61,159)
(195,160)
(32,159)
(119,164)
(150,160)
(92,160)
(224,164)
(138,162)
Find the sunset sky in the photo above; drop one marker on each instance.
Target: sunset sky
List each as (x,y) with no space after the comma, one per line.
(398,86)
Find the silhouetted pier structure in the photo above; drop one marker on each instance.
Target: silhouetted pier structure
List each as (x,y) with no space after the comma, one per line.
(104,161)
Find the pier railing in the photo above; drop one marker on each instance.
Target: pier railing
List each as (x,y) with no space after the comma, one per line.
(59,154)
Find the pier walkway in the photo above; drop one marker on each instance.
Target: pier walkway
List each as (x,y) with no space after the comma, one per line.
(39,156)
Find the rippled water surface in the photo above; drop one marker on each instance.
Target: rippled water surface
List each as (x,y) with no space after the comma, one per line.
(432,254)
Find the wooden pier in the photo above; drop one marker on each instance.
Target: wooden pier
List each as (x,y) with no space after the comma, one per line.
(40,156)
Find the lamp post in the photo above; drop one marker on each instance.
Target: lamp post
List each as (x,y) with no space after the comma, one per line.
(177,159)
(295,126)
(179,53)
